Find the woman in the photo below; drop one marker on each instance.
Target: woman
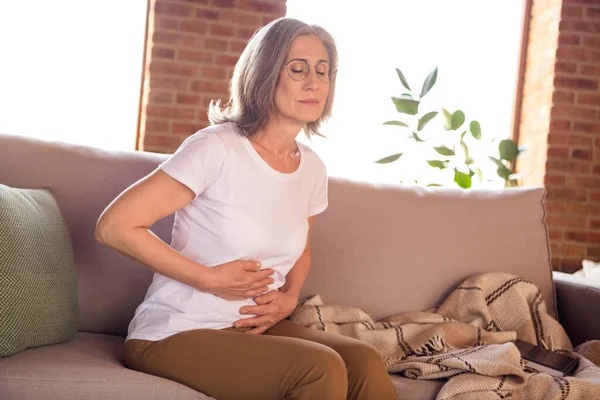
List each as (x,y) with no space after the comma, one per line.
(245,195)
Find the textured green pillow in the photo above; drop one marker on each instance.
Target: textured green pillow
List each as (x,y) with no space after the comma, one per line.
(38,288)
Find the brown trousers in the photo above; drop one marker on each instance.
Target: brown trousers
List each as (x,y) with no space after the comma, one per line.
(286,362)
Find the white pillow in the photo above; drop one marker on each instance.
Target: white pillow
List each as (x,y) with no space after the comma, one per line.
(591,270)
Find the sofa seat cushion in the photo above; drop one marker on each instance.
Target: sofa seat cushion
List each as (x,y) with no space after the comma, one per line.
(412,389)
(89,367)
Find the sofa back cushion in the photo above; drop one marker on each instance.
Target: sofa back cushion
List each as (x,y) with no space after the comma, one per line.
(385,249)
(390,249)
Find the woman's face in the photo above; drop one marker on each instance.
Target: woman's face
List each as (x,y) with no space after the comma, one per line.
(297,99)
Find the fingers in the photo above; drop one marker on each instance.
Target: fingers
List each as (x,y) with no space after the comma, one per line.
(251,265)
(253,322)
(267,297)
(261,284)
(253,293)
(263,274)
(258,288)
(266,309)
(254,266)
(246,280)
(252,310)
(263,277)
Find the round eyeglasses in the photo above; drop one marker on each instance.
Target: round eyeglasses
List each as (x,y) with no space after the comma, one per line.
(299,69)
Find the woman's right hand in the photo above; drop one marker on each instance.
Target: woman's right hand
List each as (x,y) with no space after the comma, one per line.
(240,280)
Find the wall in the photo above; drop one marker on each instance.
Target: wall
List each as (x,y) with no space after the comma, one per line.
(560,120)
(192,47)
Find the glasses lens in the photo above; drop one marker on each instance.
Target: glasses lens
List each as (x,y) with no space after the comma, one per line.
(298,69)
(322,69)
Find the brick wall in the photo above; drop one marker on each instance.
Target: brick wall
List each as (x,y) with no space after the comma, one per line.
(560,120)
(538,88)
(192,47)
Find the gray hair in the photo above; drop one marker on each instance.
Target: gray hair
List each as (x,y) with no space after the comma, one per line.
(252,87)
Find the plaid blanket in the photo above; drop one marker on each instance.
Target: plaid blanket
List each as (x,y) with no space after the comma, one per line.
(468,340)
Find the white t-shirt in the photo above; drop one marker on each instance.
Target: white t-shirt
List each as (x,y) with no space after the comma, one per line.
(244,209)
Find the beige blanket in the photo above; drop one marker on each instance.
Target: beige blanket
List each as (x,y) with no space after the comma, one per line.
(467,339)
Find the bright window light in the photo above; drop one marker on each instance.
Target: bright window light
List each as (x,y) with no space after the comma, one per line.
(71,70)
(475,44)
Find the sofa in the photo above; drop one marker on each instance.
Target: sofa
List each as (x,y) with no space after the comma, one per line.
(384,248)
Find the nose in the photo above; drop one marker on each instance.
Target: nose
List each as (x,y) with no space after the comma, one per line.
(312,81)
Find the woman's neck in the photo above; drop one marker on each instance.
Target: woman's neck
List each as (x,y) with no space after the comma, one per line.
(279,139)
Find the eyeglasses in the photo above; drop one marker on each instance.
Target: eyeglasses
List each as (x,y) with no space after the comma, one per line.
(298,70)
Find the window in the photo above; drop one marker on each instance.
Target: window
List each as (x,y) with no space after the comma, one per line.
(71,70)
(475,44)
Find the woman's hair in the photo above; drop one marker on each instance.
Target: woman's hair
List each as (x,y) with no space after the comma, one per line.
(252,87)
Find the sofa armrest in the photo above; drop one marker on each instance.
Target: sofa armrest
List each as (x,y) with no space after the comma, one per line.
(578,302)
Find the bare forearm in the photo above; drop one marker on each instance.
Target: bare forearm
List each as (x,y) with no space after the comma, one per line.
(141,245)
(297,276)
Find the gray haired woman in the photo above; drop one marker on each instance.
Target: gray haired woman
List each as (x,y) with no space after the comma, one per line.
(245,195)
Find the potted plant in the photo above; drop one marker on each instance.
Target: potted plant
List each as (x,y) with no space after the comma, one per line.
(451,143)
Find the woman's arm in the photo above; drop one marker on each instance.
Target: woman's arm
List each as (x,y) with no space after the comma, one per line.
(124,226)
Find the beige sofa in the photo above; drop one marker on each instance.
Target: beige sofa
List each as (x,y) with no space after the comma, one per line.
(385,249)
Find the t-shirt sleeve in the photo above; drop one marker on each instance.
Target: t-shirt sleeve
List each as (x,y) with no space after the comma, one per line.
(198,162)
(319,200)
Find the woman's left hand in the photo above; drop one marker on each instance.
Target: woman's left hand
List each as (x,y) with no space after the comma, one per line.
(271,308)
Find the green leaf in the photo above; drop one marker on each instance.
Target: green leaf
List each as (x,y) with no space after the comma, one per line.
(434,185)
(397,123)
(503,172)
(406,105)
(478,175)
(464,148)
(402,79)
(475,129)
(425,119)
(389,159)
(438,164)
(469,160)
(429,82)
(447,119)
(458,118)
(463,180)
(498,163)
(445,151)
(416,137)
(508,150)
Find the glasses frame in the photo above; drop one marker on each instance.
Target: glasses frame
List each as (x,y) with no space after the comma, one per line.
(332,73)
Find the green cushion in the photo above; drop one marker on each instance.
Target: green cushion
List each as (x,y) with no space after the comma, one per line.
(38,288)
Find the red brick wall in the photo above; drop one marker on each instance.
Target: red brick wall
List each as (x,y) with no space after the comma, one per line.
(537,88)
(561,121)
(192,47)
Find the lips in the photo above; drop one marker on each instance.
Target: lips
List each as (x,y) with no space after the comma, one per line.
(310,101)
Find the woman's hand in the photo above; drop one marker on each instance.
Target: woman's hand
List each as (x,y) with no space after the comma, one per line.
(239,280)
(271,308)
